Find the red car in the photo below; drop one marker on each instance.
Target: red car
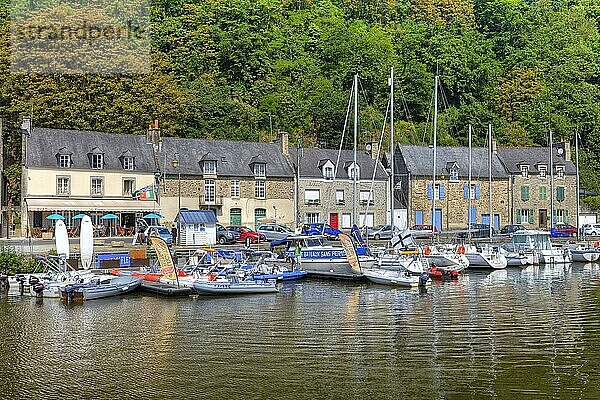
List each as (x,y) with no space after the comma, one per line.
(564,230)
(247,235)
(423,230)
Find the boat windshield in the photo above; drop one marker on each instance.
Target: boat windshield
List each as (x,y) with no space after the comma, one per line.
(313,242)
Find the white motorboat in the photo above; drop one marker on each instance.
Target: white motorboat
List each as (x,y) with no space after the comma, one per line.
(413,261)
(485,257)
(539,241)
(99,287)
(585,255)
(516,257)
(446,257)
(233,285)
(396,277)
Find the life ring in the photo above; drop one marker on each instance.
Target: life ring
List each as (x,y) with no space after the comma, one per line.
(212,277)
(427,250)
(461,249)
(596,244)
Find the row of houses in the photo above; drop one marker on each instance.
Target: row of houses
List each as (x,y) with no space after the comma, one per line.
(71,172)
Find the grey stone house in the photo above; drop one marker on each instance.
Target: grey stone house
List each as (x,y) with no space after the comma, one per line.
(531,192)
(326,196)
(415,191)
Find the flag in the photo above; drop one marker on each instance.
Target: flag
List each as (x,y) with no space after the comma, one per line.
(164,257)
(145,193)
(402,240)
(355,233)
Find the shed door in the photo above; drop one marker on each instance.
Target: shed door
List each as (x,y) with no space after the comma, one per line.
(235,216)
(259,213)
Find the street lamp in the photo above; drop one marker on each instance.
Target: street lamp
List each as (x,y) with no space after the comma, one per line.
(175,164)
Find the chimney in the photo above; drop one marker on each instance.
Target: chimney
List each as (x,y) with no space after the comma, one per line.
(372,149)
(494,146)
(283,139)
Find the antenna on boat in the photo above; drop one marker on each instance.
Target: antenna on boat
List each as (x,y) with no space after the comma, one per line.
(392,174)
(551,182)
(470,177)
(354,203)
(490,178)
(577,171)
(433,191)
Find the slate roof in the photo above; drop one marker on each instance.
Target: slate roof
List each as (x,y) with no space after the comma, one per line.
(196,217)
(311,159)
(419,161)
(514,157)
(45,143)
(234,158)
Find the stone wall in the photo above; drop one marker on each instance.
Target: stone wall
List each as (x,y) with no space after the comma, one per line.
(454,206)
(327,205)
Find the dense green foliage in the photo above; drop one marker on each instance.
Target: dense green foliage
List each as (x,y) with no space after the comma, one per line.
(13,262)
(234,68)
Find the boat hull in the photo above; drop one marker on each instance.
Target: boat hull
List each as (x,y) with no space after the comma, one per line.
(554,256)
(585,256)
(481,260)
(164,289)
(394,278)
(229,288)
(117,286)
(282,276)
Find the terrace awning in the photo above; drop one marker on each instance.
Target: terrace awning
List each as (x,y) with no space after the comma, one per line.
(116,205)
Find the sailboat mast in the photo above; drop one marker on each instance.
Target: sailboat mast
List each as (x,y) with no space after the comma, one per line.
(354,204)
(551,183)
(470,178)
(490,178)
(392,174)
(577,171)
(435,109)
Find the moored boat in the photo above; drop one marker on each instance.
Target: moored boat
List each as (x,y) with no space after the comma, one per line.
(99,287)
(232,285)
(485,257)
(396,277)
(539,241)
(585,255)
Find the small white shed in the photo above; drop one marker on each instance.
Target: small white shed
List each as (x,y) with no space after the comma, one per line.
(196,227)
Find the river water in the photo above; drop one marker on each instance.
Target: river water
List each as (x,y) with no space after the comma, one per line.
(510,334)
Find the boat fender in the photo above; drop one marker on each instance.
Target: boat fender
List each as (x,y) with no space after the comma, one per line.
(33,280)
(454,274)
(427,250)
(596,244)
(461,249)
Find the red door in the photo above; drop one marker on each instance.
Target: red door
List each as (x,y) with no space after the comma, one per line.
(333,220)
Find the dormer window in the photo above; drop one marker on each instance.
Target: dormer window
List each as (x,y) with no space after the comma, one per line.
(128,163)
(326,167)
(260,170)
(354,170)
(525,171)
(542,170)
(328,172)
(452,168)
(64,160)
(560,171)
(97,161)
(210,167)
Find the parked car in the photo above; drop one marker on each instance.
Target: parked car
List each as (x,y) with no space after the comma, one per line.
(321,229)
(274,231)
(510,229)
(563,230)
(477,231)
(591,229)
(423,230)
(381,232)
(160,231)
(226,236)
(247,235)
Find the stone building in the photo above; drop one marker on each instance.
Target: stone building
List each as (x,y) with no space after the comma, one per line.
(96,173)
(327,196)
(414,170)
(531,192)
(243,182)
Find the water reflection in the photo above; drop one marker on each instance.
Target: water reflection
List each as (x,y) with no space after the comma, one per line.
(504,334)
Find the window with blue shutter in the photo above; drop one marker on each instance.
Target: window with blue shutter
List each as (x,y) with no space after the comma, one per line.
(418,217)
(477,191)
(560,193)
(429,191)
(524,193)
(518,215)
(530,216)
(466,191)
(442,191)
(566,216)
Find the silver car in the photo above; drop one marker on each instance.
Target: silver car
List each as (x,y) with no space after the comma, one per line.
(274,231)
(381,232)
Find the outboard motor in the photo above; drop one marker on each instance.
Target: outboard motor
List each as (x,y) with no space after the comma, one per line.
(21,280)
(70,293)
(423,278)
(4,285)
(38,288)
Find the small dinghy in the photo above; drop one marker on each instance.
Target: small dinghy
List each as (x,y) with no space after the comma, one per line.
(100,287)
(396,277)
(233,285)
(585,255)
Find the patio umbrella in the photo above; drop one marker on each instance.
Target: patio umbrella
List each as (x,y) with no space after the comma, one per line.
(153,216)
(109,216)
(55,216)
(78,216)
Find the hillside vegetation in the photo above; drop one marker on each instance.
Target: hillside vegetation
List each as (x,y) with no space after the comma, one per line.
(235,68)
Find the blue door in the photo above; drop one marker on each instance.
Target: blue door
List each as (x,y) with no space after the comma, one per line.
(438,219)
(496,221)
(473,214)
(418,217)
(485,219)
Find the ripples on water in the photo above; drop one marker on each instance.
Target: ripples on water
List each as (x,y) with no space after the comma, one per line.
(532,333)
